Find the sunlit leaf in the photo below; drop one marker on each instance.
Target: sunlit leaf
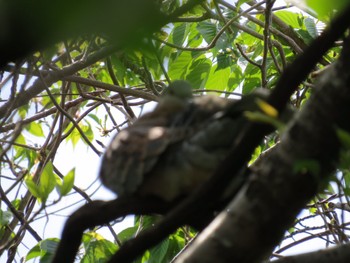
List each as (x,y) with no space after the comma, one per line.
(324,8)
(255,155)
(194,37)
(75,137)
(33,188)
(224,60)
(290,18)
(68,183)
(19,149)
(179,34)
(98,251)
(199,71)
(35,129)
(208,30)
(47,181)
(313,210)
(22,111)
(179,66)
(218,79)
(16,203)
(34,252)
(87,131)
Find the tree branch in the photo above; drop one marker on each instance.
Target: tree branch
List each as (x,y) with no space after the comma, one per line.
(250,136)
(339,254)
(258,217)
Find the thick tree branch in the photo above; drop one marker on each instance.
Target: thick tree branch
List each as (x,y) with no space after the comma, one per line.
(257,218)
(99,213)
(250,136)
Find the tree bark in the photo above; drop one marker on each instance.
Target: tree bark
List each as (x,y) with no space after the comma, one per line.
(339,254)
(255,221)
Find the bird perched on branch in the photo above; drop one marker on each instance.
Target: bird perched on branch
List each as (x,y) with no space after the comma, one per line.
(155,155)
(173,149)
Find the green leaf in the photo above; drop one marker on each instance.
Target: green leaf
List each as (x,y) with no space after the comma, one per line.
(224,60)
(5,217)
(99,251)
(34,252)
(35,129)
(120,69)
(47,181)
(208,30)
(252,79)
(127,233)
(290,18)
(19,149)
(68,183)
(305,35)
(235,79)
(247,39)
(325,8)
(147,221)
(218,79)
(179,34)
(291,230)
(313,210)
(23,110)
(311,27)
(87,131)
(255,155)
(158,253)
(31,156)
(33,187)
(75,137)
(95,118)
(179,65)
(16,203)
(49,246)
(45,250)
(194,37)
(199,71)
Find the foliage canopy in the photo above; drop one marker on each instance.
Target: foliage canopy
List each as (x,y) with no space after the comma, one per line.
(71,87)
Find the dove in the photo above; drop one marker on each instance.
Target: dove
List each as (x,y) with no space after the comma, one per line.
(158,156)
